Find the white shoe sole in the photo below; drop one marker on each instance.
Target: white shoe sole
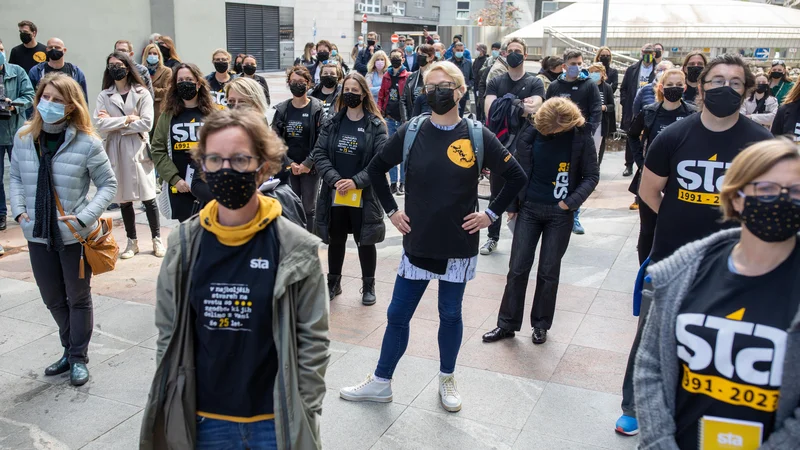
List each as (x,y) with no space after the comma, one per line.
(359,398)
(627,433)
(450,408)
(485,252)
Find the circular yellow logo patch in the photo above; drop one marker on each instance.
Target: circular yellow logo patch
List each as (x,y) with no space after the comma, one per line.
(461,154)
(39,57)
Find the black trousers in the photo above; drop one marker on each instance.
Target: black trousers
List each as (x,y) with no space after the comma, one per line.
(68,297)
(601,150)
(628,401)
(129,218)
(306,187)
(647,230)
(496,183)
(554,226)
(628,154)
(344,221)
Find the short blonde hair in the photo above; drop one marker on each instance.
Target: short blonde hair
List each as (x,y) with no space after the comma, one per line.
(558,114)
(218,51)
(660,84)
(751,163)
(267,146)
(251,90)
(450,69)
(378,55)
(598,67)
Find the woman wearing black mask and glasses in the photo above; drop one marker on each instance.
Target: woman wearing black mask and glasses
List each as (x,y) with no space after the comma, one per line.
(780,83)
(249,65)
(297,122)
(347,204)
(187,103)
(328,90)
(693,65)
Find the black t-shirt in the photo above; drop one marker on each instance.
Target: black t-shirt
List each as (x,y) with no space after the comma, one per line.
(393,107)
(235,353)
(690,94)
(442,187)
(218,91)
(184,134)
(326,99)
(525,87)
(664,119)
(731,346)
(28,57)
(694,159)
(549,180)
(350,147)
(298,126)
(65,69)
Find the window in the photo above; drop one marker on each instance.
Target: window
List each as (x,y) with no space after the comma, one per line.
(255,30)
(372,6)
(399,9)
(435,12)
(548,8)
(462,10)
(462,15)
(419,3)
(462,5)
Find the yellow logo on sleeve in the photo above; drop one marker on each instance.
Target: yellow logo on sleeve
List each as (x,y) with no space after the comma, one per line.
(39,57)
(461,154)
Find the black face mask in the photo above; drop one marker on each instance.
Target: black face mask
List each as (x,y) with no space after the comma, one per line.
(248,69)
(514,59)
(328,81)
(323,56)
(221,67)
(230,188)
(606,60)
(776,75)
(771,222)
(423,60)
(164,51)
(187,90)
(237,67)
(441,100)
(298,89)
(54,55)
(762,87)
(673,94)
(693,73)
(118,73)
(396,63)
(722,101)
(370,43)
(351,99)
(25,37)
(658,53)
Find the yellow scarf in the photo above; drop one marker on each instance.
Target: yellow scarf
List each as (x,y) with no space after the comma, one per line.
(268,210)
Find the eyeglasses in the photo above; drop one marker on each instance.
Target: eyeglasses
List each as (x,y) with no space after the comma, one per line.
(441,86)
(768,192)
(718,82)
(221,60)
(233,104)
(239,163)
(116,66)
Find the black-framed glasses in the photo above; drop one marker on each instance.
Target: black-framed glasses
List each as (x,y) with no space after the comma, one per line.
(116,66)
(239,163)
(718,82)
(441,86)
(768,192)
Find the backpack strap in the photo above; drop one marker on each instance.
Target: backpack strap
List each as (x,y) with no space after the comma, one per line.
(411,135)
(476,139)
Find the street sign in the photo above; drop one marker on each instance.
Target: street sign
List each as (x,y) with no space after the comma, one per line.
(395,39)
(761,53)
(674,49)
(480,21)
(364,24)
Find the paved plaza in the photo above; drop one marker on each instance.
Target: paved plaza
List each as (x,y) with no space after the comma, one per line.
(560,395)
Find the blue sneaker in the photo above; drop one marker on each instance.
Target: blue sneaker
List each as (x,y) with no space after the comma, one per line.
(627,425)
(577,228)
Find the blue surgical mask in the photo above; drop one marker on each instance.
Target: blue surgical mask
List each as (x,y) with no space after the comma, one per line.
(409,49)
(334,53)
(435,41)
(2,58)
(459,55)
(438,55)
(573,71)
(495,53)
(595,77)
(51,112)
(152,59)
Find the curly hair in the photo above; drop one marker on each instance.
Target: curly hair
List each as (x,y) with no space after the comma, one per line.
(174,104)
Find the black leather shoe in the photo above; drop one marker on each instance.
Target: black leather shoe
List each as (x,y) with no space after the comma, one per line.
(539,336)
(628,171)
(79,374)
(58,367)
(497,334)
(368,291)
(2,223)
(334,285)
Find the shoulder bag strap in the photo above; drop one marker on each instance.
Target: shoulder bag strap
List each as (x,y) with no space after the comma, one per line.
(69,225)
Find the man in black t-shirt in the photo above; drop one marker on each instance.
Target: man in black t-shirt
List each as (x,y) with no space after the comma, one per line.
(527,89)
(30,52)
(683,174)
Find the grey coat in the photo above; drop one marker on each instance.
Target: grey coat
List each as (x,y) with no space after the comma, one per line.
(657,369)
(79,161)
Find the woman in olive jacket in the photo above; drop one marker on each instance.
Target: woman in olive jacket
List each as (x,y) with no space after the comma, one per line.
(356,131)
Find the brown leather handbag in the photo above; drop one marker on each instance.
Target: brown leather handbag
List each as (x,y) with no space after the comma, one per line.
(99,248)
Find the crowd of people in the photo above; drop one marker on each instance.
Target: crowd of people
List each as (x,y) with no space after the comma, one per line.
(242,300)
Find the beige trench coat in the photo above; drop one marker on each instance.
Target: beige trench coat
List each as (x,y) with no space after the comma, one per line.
(127,145)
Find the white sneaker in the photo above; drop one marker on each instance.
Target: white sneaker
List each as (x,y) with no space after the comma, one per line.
(370,390)
(130,250)
(451,400)
(158,248)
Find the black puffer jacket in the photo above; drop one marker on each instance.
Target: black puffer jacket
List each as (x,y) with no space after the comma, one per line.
(373,230)
(279,125)
(584,173)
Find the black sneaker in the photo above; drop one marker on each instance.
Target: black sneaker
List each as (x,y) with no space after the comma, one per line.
(393,188)
(401,190)
(497,334)
(334,286)
(628,171)
(489,247)
(539,336)
(112,207)
(2,223)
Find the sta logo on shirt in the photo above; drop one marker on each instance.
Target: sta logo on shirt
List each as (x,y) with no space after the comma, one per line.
(719,355)
(220,99)
(258,263)
(701,180)
(183,132)
(562,181)
(461,154)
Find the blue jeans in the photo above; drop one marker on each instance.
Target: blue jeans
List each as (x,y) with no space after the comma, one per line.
(213,434)
(3,150)
(406,297)
(392,126)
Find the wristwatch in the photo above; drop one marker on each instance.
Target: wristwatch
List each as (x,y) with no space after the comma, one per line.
(492,216)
